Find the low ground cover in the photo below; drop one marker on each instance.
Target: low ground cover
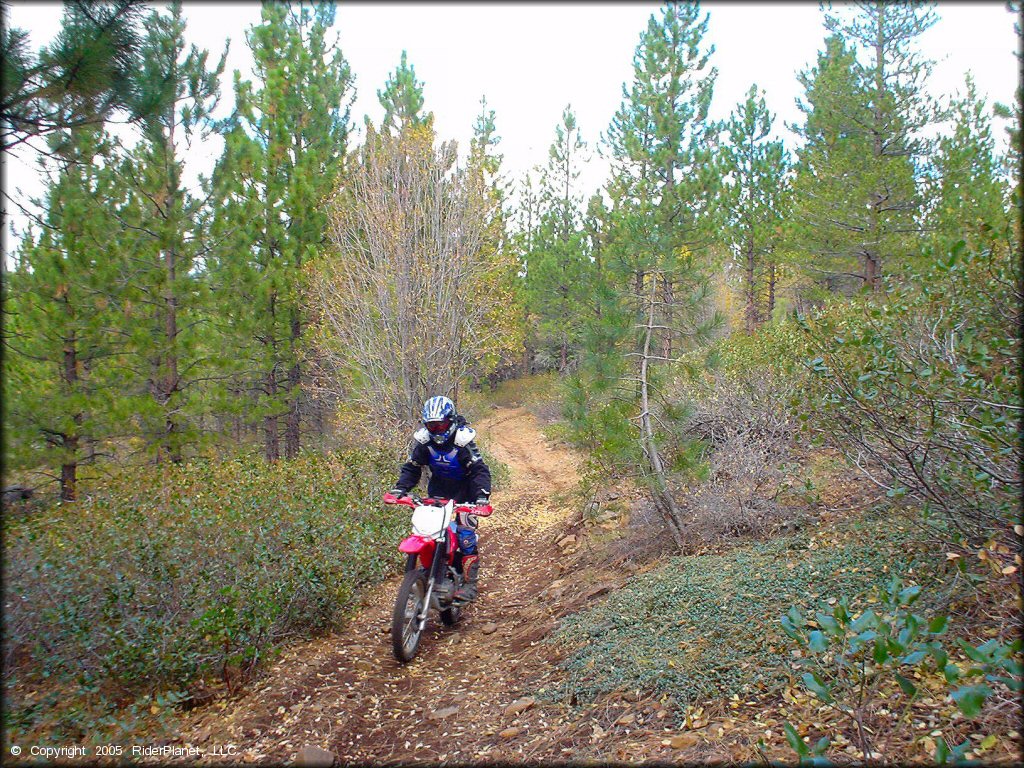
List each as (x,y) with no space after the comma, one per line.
(707,626)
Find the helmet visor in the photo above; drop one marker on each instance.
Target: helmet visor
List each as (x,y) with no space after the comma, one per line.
(438,427)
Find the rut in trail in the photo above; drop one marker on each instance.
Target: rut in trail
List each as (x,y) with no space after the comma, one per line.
(346,693)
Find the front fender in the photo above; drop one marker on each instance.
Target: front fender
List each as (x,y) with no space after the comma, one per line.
(415,544)
(419,545)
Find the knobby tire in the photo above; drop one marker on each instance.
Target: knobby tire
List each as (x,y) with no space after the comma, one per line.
(405,635)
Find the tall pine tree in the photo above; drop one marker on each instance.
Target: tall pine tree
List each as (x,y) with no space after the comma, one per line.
(970,197)
(874,124)
(755,169)
(63,373)
(500,334)
(830,187)
(662,191)
(557,265)
(284,156)
(175,94)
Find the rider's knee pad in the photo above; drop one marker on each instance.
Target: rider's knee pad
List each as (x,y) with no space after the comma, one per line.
(467,540)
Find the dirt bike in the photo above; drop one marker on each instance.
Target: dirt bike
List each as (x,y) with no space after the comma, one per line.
(433,569)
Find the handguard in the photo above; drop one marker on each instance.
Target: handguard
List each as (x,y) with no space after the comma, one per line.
(406,501)
(480,510)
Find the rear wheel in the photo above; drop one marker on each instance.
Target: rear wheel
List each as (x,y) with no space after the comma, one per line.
(450,616)
(405,621)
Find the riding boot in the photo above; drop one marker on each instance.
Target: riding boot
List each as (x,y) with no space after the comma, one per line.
(470,572)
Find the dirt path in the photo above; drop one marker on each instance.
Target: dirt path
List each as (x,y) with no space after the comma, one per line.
(346,693)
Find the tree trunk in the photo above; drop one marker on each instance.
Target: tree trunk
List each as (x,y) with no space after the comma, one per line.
(772,278)
(872,271)
(68,471)
(271,449)
(69,465)
(669,298)
(293,420)
(172,222)
(170,383)
(638,286)
(751,309)
(662,496)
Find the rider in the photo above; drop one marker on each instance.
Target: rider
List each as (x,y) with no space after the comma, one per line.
(457,471)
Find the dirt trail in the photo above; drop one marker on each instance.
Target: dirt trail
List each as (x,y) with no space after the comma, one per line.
(347,694)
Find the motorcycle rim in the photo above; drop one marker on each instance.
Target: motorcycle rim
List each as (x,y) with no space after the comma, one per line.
(405,622)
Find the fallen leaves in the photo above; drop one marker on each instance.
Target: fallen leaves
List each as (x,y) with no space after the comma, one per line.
(441,714)
(519,706)
(682,741)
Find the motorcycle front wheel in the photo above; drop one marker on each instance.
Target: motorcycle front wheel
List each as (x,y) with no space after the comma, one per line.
(405,621)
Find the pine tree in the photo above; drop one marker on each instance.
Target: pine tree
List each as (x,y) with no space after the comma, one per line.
(402,99)
(830,188)
(969,200)
(79,79)
(524,223)
(174,95)
(753,199)
(499,336)
(874,113)
(283,159)
(661,147)
(556,277)
(653,304)
(485,162)
(595,234)
(61,388)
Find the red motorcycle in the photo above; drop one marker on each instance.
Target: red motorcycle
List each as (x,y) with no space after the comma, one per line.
(433,569)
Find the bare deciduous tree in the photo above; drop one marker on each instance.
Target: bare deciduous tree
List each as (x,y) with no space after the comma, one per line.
(400,299)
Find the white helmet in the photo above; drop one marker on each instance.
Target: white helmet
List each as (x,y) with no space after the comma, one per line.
(439,418)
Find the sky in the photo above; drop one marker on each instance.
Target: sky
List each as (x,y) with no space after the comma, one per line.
(532,59)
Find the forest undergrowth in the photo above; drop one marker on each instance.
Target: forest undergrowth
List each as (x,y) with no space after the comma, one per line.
(156,589)
(852,557)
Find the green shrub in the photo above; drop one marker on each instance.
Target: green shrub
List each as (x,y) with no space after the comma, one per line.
(534,391)
(921,387)
(851,654)
(501,475)
(704,627)
(170,574)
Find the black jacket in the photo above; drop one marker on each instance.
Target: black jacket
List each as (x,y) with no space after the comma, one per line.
(456,472)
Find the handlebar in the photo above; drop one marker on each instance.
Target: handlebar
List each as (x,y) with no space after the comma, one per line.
(481,510)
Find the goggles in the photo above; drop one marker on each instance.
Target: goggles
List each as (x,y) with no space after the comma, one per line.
(438,427)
